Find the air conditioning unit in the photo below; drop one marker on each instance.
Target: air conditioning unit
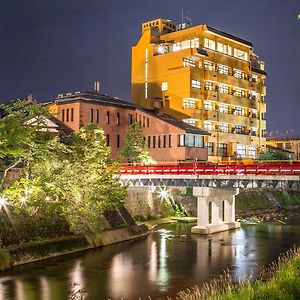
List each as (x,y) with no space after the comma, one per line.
(59,96)
(78,92)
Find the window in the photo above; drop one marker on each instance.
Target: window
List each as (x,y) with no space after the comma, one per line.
(223,108)
(239,74)
(170,140)
(97,115)
(154,141)
(91,115)
(188,62)
(140,119)
(144,121)
(237,129)
(209,147)
(198,140)
(63,115)
(253,95)
(240,54)
(118,118)
(129,119)
(208,65)
(223,88)
(288,146)
(252,151)
(165,141)
(72,114)
(164,86)
(254,114)
(208,85)
(210,44)
(280,145)
(238,110)
(149,141)
(224,48)
(190,121)
(263,98)
(208,125)
(191,140)
(148,122)
(208,105)
(107,117)
(254,78)
(222,69)
(253,131)
(239,93)
(67,115)
(222,127)
(118,141)
(189,103)
(107,140)
(222,149)
(241,151)
(181,140)
(159,141)
(196,84)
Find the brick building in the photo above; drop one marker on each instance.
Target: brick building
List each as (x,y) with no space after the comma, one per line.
(168,139)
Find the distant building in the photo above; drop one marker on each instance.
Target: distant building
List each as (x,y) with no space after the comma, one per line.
(207,78)
(168,139)
(286,141)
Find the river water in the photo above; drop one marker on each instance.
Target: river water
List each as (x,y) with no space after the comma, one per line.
(169,259)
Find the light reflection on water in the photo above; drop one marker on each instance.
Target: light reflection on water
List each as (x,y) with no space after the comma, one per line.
(168,260)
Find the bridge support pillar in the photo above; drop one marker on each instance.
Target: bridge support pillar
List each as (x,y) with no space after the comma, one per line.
(215,209)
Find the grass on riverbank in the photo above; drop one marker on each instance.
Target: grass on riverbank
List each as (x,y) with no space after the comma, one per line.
(281,280)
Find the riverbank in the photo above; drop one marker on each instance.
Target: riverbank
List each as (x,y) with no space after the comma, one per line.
(34,251)
(281,280)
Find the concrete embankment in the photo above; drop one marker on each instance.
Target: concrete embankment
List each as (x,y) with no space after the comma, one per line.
(40,250)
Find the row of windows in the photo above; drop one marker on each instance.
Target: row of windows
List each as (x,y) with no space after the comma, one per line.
(67,115)
(232,109)
(226,49)
(230,90)
(221,149)
(230,128)
(164,141)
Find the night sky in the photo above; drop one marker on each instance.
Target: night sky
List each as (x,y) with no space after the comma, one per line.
(56,46)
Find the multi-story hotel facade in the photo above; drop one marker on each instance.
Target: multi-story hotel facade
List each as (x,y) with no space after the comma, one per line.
(207,78)
(169,140)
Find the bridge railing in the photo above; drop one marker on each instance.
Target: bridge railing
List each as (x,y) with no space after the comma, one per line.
(214,169)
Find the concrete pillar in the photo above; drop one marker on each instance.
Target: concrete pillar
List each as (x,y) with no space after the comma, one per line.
(216,196)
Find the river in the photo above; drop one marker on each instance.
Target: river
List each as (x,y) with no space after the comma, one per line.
(169,259)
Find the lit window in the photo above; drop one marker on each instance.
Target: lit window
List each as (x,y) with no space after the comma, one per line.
(209,147)
(239,74)
(208,105)
(239,92)
(222,69)
(208,85)
(237,129)
(223,108)
(223,88)
(238,110)
(222,149)
(240,54)
(208,125)
(164,86)
(241,151)
(253,95)
(189,103)
(222,127)
(190,121)
(210,44)
(208,65)
(252,151)
(107,117)
(196,84)
(188,62)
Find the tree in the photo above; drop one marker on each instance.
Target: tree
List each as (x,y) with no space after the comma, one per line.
(16,136)
(274,155)
(76,180)
(135,149)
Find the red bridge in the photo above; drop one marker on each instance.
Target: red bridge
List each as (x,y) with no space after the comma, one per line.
(273,168)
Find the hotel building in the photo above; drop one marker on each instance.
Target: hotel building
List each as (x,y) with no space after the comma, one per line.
(207,78)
